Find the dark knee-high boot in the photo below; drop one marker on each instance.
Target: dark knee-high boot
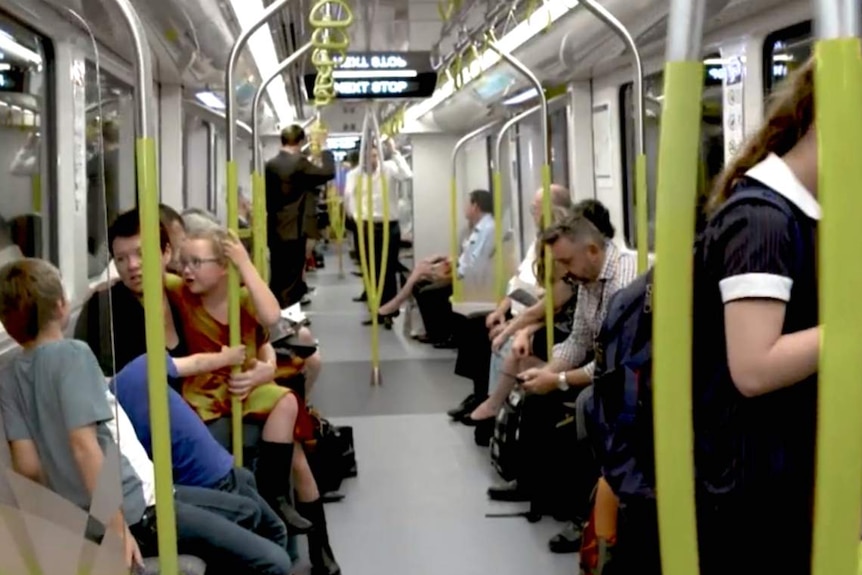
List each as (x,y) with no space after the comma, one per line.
(319,551)
(275,486)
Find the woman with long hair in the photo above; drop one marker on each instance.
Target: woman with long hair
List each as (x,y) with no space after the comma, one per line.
(757,343)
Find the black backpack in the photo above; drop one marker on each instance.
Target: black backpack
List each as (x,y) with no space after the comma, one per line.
(504,443)
(623,383)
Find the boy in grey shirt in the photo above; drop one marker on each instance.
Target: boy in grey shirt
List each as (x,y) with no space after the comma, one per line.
(53,399)
(56,412)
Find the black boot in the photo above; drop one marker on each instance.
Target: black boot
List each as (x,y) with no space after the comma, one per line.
(319,551)
(274,484)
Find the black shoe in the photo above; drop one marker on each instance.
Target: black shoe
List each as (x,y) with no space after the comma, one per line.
(484,432)
(319,551)
(507,492)
(274,484)
(568,540)
(332,497)
(466,407)
(470,422)
(448,343)
(361,298)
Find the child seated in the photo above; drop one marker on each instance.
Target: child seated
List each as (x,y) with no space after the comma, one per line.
(56,412)
(198,459)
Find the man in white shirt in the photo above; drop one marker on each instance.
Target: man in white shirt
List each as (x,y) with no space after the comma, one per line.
(357,198)
(474,264)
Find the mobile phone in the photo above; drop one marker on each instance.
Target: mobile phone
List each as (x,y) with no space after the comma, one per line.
(523,297)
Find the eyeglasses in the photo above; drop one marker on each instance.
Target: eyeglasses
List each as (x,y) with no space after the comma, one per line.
(196,263)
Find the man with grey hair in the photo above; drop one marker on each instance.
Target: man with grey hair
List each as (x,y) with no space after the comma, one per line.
(474,350)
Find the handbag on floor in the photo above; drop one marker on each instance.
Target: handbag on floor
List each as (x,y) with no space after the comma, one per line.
(331,455)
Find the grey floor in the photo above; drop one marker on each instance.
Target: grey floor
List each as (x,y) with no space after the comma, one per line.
(418,506)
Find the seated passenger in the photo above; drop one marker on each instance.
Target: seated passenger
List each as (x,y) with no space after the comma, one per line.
(431,282)
(176,228)
(522,342)
(202,302)
(474,352)
(119,309)
(515,342)
(592,261)
(198,459)
(55,412)
(9,250)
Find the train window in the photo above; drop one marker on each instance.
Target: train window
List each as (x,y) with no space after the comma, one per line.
(784,51)
(559,146)
(110,160)
(712,144)
(27,214)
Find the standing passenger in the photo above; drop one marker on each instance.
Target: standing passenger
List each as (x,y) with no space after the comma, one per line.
(290,177)
(395,168)
(757,344)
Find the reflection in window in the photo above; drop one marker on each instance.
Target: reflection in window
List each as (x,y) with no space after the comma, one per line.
(25,216)
(107,182)
(711,153)
(785,51)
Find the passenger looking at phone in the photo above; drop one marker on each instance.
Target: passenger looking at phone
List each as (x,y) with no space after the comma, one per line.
(474,349)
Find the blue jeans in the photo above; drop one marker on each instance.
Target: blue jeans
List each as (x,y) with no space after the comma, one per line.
(240,481)
(213,525)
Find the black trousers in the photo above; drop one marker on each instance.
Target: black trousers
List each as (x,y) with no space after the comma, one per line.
(637,548)
(432,298)
(391,248)
(474,352)
(556,470)
(287,264)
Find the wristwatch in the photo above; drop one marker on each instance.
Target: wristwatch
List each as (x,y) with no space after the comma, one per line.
(562,382)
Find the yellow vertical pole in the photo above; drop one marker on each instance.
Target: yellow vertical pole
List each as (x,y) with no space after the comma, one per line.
(454,248)
(499,259)
(160,425)
(233,308)
(258,210)
(838,93)
(672,329)
(547,221)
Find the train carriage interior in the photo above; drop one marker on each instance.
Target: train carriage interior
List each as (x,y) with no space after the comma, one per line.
(344,220)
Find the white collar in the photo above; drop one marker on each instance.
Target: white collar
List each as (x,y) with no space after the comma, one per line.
(775,173)
(485,221)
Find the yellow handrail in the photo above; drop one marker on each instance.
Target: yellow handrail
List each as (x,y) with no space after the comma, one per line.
(374,283)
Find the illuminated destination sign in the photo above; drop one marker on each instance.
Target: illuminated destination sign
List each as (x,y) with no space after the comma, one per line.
(382,76)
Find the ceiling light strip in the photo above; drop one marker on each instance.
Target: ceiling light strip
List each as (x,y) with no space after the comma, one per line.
(550,11)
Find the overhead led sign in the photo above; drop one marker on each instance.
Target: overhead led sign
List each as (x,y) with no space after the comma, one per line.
(381,76)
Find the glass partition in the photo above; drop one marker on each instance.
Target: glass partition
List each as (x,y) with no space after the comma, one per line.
(711,153)
(110,162)
(27,214)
